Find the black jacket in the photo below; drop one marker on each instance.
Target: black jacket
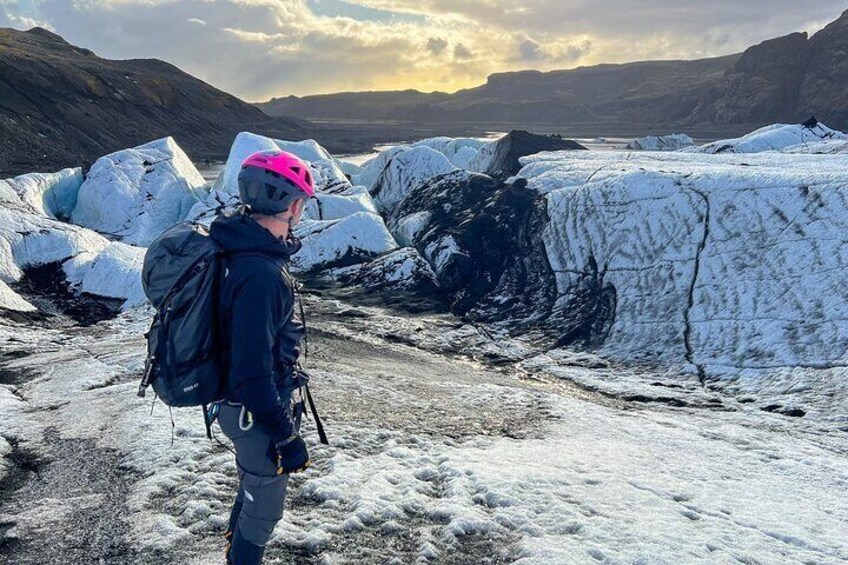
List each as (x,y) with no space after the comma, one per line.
(260,331)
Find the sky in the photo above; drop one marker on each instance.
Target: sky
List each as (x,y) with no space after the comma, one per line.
(258,49)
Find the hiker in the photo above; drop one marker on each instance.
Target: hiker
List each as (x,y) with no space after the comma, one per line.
(260,341)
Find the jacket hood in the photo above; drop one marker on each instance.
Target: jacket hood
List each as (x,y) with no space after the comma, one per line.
(237,231)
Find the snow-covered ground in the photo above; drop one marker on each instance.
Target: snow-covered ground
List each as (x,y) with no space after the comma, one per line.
(432,458)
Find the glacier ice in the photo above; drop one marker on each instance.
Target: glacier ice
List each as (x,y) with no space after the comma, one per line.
(135,194)
(351,239)
(670,142)
(771,138)
(327,173)
(114,272)
(725,261)
(459,150)
(404,171)
(51,194)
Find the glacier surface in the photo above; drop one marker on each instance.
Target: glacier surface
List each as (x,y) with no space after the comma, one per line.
(135,194)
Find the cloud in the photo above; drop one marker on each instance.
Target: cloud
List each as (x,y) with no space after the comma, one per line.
(436,45)
(257,49)
(462,52)
(529,50)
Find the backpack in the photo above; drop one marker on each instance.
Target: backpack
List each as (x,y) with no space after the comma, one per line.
(181,274)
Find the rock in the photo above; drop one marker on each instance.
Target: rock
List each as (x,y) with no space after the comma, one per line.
(761,87)
(330,243)
(114,272)
(403,171)
(62,104)
(772,138)
(400,278)
(825,81)
(720,261)
(135,194)
(669,142)
(403,269)
(327,174)
(482,237)
(500,158)
(51,194)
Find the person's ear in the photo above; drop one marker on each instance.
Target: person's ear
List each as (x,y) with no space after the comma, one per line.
(296,206)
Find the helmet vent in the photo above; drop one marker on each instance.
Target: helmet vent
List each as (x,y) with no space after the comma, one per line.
(307,177)
(270,190)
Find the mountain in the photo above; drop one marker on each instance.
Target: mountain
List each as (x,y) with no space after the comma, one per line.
(63,105)
(603,93)
(783,79)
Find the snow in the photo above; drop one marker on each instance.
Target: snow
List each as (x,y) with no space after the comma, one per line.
(115,272)
(327,174)
(135,194)
(51,194)
(771,138)
(351,239)
(669,142)
(725,262)
(403,172)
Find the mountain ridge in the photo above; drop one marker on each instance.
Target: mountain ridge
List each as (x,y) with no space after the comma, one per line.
(786,78)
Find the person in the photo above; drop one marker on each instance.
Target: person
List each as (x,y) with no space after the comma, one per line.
(261,334)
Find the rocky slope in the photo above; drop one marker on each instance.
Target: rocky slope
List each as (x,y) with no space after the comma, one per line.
(62,105)
(783,79)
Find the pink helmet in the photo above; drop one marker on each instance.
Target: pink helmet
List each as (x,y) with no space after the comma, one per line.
(270,180)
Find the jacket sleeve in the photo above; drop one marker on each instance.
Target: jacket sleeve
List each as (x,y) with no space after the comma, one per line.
(258,306)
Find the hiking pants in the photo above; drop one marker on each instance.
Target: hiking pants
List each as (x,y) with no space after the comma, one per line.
(261,493)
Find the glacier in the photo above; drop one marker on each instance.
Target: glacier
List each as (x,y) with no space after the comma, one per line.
(772,138)
(135,194)
(624,356)
(731,264)
(670,142)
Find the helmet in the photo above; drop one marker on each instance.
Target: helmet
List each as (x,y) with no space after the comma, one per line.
(269,181)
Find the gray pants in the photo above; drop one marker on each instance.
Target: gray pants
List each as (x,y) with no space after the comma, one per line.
(262,492)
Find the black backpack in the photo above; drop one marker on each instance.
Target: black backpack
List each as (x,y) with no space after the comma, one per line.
(181,274)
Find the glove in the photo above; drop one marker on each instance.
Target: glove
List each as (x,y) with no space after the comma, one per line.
(292,455)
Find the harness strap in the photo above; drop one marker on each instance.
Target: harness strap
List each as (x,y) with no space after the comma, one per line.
(320,427)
